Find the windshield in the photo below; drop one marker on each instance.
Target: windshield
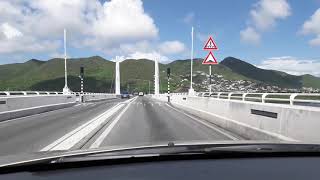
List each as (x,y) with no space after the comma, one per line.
(107,74)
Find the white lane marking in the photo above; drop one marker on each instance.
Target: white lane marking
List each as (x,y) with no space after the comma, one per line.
(205,124)
(77,105)
(100,139)
(70,139)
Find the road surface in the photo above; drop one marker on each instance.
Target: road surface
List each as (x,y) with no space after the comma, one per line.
(140,120)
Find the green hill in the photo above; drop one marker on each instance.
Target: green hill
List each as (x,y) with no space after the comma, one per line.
(311,81)
(136,75)
(278,78)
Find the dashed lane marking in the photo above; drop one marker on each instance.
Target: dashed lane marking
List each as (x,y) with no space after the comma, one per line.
(100,139)
(70,139)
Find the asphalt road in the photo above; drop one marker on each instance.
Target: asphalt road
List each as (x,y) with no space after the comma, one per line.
(141,120)
(32,133)
(148,121)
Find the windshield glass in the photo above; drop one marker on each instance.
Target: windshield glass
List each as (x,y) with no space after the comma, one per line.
(95,74)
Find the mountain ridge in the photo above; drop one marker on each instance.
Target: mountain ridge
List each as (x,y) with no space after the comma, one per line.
(49,75)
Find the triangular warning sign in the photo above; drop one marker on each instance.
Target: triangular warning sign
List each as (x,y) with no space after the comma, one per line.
(210,59)
(210,45)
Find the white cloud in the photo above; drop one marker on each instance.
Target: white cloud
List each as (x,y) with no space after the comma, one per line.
(263,17)
(123,21)
(9,31)
(266,12)
(202,37)
(27,44)
(150,55)
(292,65)
(315,41)
(312,26)
(37,25)
(172,47)
(189,18)
(250,36)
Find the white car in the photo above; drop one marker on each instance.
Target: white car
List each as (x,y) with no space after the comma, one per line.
(141,94)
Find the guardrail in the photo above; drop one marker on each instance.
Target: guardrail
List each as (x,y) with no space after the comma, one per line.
(28,93)
(279,98)
(25,93)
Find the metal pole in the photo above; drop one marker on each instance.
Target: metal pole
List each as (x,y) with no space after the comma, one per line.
(210,79)
(191,57)
(168,88)
(81,96)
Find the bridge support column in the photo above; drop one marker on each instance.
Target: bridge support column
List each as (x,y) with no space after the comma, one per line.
(156,76)
(117,86)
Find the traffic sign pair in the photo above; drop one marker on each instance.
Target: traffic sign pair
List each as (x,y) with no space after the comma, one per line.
(210,45)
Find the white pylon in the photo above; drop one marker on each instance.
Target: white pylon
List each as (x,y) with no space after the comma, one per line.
(117,76)
(156,76)
(191,90)
(65,90)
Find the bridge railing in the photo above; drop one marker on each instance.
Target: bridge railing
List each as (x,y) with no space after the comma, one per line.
(28,93)
(311,99)
(41,93)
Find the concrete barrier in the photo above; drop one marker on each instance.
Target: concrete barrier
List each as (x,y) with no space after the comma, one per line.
(20,106)
(255,120)
(98,97)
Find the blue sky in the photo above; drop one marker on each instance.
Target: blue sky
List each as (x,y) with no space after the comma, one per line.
(224,23)
(267,33)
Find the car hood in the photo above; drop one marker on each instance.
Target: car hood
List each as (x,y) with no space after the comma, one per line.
(48,155)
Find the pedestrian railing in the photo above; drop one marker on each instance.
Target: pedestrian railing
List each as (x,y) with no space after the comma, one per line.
(306,99)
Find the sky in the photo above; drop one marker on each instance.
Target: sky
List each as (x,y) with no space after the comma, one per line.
(272,34)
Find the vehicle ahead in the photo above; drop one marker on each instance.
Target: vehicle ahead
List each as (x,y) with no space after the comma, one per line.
(141,94)
(135,93)
(207,94)
(198,160)
(125,95)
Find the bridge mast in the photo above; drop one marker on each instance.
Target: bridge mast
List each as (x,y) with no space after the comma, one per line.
(66,90)
(191,90)
(117,76)
(156,76)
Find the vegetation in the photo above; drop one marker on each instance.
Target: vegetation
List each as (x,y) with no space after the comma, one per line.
(136,75)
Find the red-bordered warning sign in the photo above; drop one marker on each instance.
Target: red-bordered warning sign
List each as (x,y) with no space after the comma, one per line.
(210,45)
(210,59)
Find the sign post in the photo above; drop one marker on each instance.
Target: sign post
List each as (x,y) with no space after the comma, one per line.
(210,79)
(210,59)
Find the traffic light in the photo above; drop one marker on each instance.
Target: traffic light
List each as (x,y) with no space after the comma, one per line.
(82,71)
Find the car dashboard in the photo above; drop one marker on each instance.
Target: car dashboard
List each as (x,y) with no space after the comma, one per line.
(220,169)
